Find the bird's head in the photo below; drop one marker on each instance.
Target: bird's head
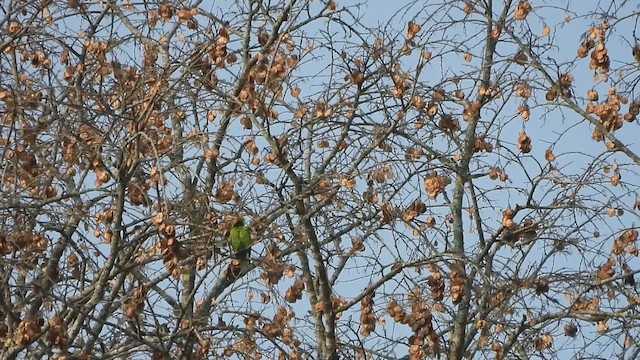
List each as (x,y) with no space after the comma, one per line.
(239,222)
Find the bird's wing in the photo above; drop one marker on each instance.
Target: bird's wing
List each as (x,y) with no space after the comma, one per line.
(245,238)
(234,239)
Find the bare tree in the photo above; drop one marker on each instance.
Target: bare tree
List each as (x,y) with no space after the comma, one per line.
(451,181)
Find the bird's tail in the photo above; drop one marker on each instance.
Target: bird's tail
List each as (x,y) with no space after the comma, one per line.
(243,254)
(240,262)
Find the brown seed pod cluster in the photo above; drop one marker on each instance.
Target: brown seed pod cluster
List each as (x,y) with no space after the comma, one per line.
(522,10)
(322,307)
(218,52)
(412,30)
(526,233)
(414,210)
(523,90)
(279,327)
(134,305)
(137,192)
(28,331)
(397,312)
(448,122)
(468,7)
(570,330)
(500,296)
(226,192)
(581,304)
(524,112)
(562,88)
(186,15)
(246,344)
(22,172)
(597,135)
(496,172)
(57,334)
(294,293)
(263,80)
(524,143)
(201,352)
(507,218)
(322,110)
(421,322)
(602,327)
(367,316)
(168,246)
(413,153)
(615,178)
(278,156)
(626,243)
(609,110)
(436,283)
(401,82)
(607,271)
(73,264)
(497,348)
(596,44)
(26,241)
(634,110)
(481,144)
(357,245)
(435,184)
(544,342)
(388,212)
(521,58)
(542,286)
(458,282)
(273,266)
(549,156)
(471,110)
(424,334)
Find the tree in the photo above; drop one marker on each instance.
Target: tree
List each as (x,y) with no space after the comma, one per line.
(451,181)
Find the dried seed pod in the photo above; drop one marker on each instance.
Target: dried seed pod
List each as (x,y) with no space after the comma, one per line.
(524,142)
(522,10)
(367,316)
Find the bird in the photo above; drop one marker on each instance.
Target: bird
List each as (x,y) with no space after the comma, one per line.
(240,240)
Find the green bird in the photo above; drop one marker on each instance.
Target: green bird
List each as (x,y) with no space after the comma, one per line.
(240,240)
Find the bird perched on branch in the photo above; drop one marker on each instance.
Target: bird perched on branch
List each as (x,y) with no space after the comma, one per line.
(240,240)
